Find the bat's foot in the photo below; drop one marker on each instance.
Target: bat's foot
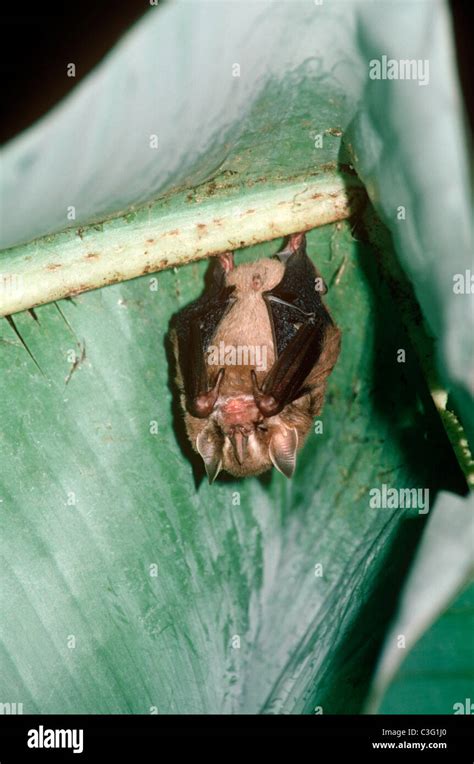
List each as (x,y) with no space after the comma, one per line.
(226,259)
(296,242)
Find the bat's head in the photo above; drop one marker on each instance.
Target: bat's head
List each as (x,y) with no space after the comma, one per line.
(237,438)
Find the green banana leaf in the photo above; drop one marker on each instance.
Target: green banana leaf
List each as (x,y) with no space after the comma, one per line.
(437,676)
(128,584)
(434,625)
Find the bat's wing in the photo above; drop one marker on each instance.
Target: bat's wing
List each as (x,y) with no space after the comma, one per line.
(299,323)
(194,328)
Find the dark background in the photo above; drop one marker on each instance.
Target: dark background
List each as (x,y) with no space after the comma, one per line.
(39,40)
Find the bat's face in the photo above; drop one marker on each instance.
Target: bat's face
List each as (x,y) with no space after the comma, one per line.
(253,356)
(237,437)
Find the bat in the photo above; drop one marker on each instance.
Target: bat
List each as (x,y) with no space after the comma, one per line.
(253,355)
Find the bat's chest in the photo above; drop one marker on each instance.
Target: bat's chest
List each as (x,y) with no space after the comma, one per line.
(243,341)
(244,338)
(246,323)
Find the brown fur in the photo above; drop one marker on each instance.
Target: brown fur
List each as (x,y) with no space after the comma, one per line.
(248,324)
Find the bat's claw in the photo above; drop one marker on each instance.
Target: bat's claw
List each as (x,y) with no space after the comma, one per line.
(203,405)
(266,404)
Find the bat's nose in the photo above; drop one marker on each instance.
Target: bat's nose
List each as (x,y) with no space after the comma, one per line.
(239,444)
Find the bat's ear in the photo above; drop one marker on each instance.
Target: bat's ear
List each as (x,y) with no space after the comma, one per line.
(296,242)
(282,449)
(210,449)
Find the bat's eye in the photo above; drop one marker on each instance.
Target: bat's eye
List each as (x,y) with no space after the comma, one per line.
(262,427)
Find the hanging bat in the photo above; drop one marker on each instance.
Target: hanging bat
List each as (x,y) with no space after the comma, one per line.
(253,356)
